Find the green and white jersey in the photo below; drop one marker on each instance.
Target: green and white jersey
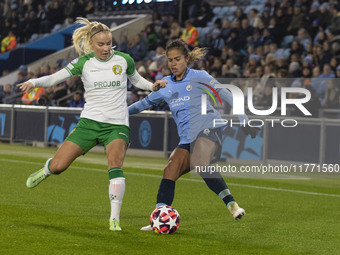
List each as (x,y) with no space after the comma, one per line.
(105,83)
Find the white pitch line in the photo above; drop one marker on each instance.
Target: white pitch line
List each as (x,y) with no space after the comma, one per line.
(186,179)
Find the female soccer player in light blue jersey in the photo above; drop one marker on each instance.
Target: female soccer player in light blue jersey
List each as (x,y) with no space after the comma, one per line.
(104,119)
(195,130)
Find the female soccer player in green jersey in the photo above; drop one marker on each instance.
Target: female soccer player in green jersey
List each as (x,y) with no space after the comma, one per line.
(104,119)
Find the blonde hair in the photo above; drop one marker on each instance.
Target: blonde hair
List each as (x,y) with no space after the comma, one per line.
(82,36)
(194,55)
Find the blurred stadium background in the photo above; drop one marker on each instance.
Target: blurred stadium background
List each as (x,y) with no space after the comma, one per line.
(256,43)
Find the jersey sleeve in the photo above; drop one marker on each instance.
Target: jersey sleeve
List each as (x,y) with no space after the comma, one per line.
(52,79)
(138,81)
(75,67)
(154,99)
(130,70)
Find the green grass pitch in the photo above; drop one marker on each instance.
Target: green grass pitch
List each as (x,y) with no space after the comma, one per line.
(68,214)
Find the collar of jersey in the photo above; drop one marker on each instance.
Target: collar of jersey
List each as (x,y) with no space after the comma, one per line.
(186,72)
(113,52)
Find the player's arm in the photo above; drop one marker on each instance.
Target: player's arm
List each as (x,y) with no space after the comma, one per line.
(138,81)
(153,99)
(45,81)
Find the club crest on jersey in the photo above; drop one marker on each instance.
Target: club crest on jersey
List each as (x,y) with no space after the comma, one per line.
(189,87)
(206,131)
(117,69)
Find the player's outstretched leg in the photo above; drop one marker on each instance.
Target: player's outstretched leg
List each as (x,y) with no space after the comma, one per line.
(37,177)
(217,184)
(116,194)
(235,210)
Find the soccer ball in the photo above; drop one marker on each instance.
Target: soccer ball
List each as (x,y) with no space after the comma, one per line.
(165,220)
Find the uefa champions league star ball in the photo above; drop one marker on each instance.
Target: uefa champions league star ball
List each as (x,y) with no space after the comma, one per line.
(165,220)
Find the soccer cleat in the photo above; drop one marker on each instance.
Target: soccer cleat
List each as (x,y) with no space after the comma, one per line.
(114,225)
(236,211)
(147,228)
(36,178)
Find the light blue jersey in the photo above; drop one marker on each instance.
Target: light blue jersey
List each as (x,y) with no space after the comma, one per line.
(185,103)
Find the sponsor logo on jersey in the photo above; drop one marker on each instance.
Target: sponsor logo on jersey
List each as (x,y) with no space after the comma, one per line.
(117,69)
(106,84)
(180,99)
(92,71)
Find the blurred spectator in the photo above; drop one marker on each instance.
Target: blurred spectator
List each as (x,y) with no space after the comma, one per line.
(254,17)
(296,21)
(164,35)
(226,28)
(9,42)
(282,20)
(265,17)
(275,31)
(32,97)
(20,79)
(294,70)
(271,6)
(246,31)
(123,45)
(14,21)
(238,16)
(233,41)
(324,16)
(59,91)
(204,15)
(267,98)
(75,84)
(77,100)
(190,34)
(137,48)
(321,56)
(55,14)
(332,95)
(6,93)
(151,37)
(30,25)
(175,31)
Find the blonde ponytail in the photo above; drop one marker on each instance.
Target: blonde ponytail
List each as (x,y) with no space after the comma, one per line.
(81,36)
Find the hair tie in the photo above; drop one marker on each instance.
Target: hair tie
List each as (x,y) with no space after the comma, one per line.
(99,32)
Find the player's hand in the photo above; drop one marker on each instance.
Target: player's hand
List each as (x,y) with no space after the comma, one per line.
(158,85)
(26,87)
(252,131)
